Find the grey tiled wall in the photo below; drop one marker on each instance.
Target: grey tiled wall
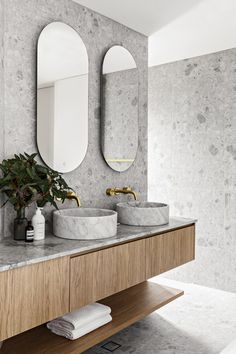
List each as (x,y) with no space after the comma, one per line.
(1,102)
(192,158)
(23,22)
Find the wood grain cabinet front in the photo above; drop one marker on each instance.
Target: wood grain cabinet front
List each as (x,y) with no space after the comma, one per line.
(38,293)
(96,275)
(169,250)
(32,295)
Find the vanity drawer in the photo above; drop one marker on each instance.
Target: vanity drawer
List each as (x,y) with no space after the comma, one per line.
(32,295)
(169,250)
(96,275)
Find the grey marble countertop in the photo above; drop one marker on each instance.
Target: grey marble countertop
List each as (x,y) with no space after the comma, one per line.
(15,254)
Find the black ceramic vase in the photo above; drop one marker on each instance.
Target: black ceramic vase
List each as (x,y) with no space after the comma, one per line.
(20,224)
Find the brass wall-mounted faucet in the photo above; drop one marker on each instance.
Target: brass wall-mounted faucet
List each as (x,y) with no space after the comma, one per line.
(73,195)
(125,190)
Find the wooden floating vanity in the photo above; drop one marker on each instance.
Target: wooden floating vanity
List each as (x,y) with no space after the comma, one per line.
(115,275)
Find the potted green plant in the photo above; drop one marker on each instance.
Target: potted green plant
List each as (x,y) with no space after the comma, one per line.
(24,182)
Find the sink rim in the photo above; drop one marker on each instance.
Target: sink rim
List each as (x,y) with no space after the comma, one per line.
(79,224)
(150,205)
(143,213)
(108,213)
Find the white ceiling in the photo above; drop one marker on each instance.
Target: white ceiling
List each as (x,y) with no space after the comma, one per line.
(144,16)
(177,29)
(208,27)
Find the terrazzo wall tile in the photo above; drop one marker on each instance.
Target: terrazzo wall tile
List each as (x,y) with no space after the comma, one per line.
(1,102)
(23,22)
(192,138)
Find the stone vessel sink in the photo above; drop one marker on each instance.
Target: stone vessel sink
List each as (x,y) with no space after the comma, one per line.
(85,223)
(143,213)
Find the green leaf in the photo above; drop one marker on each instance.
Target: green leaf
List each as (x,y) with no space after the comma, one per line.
(24,181)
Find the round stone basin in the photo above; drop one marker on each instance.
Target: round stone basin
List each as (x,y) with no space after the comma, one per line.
(143,213)
(85,223)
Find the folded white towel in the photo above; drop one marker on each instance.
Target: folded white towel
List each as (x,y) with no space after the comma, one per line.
(77,333)
(83,316)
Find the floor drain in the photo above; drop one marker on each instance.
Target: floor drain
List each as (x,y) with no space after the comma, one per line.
(111,346)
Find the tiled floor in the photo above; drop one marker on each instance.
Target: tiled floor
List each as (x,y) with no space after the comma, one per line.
(203,321)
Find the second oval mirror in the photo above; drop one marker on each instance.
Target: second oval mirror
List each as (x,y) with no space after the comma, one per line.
(119,122)
(62,97)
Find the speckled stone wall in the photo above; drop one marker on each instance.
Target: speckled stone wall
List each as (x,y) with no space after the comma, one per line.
(23,22)
(192,158)
(1,102)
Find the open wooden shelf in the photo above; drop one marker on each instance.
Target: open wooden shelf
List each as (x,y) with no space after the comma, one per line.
(128,307)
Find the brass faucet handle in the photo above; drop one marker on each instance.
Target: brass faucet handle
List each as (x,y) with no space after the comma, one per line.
(110,192)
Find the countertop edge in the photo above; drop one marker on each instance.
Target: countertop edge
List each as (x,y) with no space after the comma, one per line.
(96,246)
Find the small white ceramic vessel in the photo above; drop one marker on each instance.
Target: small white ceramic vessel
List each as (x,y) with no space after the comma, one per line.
(143,213)
(85,223)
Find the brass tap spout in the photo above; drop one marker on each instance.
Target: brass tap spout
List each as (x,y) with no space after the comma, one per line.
(125,190)
(73,195)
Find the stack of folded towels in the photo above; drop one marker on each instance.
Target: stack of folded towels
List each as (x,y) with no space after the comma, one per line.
(80,322)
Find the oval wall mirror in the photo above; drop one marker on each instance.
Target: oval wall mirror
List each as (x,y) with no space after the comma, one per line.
(120,98)
(62,97)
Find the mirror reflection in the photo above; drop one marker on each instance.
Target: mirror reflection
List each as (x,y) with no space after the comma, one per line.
(62,97)
(119,108)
